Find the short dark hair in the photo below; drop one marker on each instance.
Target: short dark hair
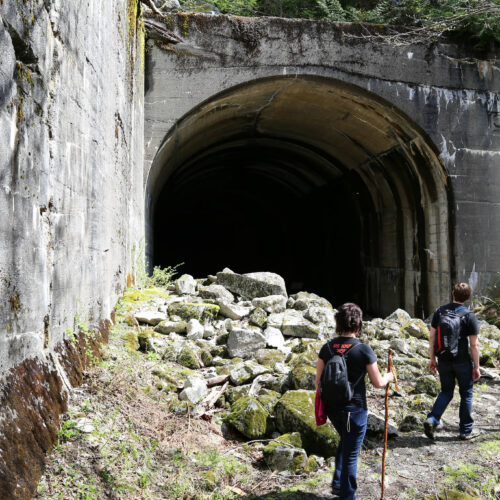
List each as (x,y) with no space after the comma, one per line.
(461,292)
(349,318)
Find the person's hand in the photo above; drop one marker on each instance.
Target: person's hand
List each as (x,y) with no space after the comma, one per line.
(476,374)
(390,377)
(433,365)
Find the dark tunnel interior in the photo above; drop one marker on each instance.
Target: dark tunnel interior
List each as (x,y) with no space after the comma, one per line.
(251,209)
(311,178)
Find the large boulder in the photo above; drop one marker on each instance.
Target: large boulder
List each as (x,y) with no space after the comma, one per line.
(399,316)
(295,413)
(269,357)
(274,337)
(249,417)
(295,325)
(427,384)
(185,285)
(243,372)
(215,292)
(167,327)
(150,317)
(252,285)
(233,311)
(376,426)
(418,329)
(271,303)
(189,310)
(243,342)
(305,300)
(303,376)
(285,453)
(195,389)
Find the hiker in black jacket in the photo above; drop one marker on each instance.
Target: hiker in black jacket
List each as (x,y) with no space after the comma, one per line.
(457,365)
(350,419)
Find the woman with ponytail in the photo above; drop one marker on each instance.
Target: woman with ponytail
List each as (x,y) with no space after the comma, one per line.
(350,418)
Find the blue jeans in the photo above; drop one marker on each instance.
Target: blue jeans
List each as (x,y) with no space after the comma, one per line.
(449,371)
(350,423)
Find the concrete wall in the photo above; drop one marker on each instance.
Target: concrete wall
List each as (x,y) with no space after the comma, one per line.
(71,203)
(449,91)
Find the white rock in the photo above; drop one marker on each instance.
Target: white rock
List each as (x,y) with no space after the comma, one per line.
(233,311)
(275,320)
(323,315)
(195,329)
(253,285)
(150,317)
(274,337)
(167,327)
(195,389)
(295,325)
(208,332)
(399,316)
(376,425)
(271,303)
(243,342)
(185,285)
(216,292)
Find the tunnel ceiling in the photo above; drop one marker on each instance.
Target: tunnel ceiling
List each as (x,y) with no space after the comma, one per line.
(305,139)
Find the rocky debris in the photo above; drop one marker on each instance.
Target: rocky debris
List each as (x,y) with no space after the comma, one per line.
(185,285)
(150,317)
(194,390)
(243,331)
(271,303)
(252,285)
(285,453)
(376,425)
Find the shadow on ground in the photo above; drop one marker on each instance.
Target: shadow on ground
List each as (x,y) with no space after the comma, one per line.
(288,495)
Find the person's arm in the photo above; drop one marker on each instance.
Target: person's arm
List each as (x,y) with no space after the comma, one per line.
(320,366)
(432,355)
(376,378)
(474,350)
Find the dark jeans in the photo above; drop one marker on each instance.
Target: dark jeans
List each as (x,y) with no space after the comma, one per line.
(449,371)
(350,423)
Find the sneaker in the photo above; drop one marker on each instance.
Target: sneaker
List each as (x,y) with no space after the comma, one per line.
(471,435)
(429,428)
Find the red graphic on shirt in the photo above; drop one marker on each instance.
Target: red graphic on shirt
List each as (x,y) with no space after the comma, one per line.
(341,348)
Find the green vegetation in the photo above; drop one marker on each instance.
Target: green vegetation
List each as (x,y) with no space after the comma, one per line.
(476,20)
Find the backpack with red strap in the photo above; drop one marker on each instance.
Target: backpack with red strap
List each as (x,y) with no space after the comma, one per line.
(448,332)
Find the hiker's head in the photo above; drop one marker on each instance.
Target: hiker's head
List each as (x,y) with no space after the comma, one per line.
(461,292)
(349,318)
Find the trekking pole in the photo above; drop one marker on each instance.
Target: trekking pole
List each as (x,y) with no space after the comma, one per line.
(390,368)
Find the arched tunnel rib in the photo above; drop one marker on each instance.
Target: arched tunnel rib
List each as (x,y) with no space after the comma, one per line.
(316,180)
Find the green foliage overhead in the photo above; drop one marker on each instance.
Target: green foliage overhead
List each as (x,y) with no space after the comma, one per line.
(475,20)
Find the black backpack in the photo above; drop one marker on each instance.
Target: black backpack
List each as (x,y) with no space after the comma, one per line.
(448,332)
(334,386)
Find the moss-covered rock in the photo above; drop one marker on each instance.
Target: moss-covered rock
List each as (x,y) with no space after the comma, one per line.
(167,327)
(235,393)
(285,453)
(269,357)
(303,376)
(420,403)
(411,422)
(427,384)
(144,338)
(131,340)
(206,358)
(311,465)
(249,417)
(295,412)
(268,399)
(188,357)
(418,329)
(200,311)
(258,317)
(453,495)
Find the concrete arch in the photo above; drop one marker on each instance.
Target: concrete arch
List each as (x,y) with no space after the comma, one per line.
(352,186)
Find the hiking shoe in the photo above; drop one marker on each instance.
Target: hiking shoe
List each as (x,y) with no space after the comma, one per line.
(429,428)
(471,435)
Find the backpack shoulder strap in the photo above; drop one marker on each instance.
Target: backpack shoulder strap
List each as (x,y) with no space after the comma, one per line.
(345,357)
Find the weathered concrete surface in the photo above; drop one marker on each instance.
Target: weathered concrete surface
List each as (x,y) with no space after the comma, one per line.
(419,124)
(71,208)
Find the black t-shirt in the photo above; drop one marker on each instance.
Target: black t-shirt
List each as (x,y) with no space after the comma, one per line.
(356,363)
(470,326)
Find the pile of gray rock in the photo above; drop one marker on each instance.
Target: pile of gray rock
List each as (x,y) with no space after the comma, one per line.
(240,342)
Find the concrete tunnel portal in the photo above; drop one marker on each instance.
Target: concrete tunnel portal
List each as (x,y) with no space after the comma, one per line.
(317,180)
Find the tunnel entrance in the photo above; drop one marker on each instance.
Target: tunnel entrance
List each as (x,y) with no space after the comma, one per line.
(316,180)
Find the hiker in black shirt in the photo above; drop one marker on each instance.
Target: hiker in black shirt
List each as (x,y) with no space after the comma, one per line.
(461,368)
(350,419)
